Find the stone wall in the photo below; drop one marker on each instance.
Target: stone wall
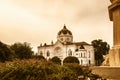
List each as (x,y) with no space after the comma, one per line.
(107,72)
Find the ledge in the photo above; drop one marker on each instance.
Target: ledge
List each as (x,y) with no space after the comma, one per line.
(112,7)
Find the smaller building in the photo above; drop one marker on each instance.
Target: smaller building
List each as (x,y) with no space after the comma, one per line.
(64,47)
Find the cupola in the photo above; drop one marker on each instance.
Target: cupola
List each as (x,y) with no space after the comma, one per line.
(65,35)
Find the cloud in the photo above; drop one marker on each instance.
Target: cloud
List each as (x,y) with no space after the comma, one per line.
(64,11)
(39,21)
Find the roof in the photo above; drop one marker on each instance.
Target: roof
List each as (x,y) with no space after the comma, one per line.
(68,43)
(81,43)
(64,31)
(78,43)
(45,45)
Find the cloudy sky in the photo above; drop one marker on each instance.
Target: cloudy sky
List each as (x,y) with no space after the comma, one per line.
(38,21)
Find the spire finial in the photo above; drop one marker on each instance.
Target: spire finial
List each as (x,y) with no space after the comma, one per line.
(64,26)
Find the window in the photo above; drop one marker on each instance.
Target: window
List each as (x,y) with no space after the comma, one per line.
(89,62)
(81,54)
(81,62)
(48,53)
(76,50)
(76,54)
(58,50)
(89,54)
(69,52)
(61,39)
(68,39)
(84,54)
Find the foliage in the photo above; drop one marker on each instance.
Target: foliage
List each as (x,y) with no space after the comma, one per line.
(22,50)
(56,60)
(100,48)
(6,53)
(71,59)
(33,69)
(39,57)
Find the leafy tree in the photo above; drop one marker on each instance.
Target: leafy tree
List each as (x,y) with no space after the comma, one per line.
(22,50)
(71,59)
(56,60)
(6,53)
(101,48)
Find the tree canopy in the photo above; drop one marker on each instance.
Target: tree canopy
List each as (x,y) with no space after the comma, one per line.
(6,53)
(22,50)
(71,59)
(101,48)
(56,60)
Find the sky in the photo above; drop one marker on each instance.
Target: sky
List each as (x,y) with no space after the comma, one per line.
(39,21)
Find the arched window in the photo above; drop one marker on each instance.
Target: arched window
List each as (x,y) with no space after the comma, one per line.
(81,62)
(89,54)
(69,52)
(81,54)
(48,53)
(84,54)
(89,62)
(41,53)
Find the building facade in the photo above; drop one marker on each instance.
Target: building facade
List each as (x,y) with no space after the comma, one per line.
(64,47)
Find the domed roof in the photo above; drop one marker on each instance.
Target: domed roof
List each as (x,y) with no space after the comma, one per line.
(64,31)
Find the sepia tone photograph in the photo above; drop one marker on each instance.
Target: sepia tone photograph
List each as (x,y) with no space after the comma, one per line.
(59,40)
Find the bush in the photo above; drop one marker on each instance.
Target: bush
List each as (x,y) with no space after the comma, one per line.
(33,69)
(71,59)
(39,57)
(56,60)
(27,70)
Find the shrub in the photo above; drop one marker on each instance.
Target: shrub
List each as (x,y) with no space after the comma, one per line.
(71,59)
(33,69)
(39,57)
(27,70)
(56,60)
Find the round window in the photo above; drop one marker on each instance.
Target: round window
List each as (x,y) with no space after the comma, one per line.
(61,39)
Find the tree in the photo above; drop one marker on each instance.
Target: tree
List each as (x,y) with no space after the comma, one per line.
(22,50)
(56,60)
(101,48)
(71,59)
(6,53)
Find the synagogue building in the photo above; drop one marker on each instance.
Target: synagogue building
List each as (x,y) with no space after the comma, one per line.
(64,47)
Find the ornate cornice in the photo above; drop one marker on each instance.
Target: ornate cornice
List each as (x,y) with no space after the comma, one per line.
(112,7)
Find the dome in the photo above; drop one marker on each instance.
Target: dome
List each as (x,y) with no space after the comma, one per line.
(64,31)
